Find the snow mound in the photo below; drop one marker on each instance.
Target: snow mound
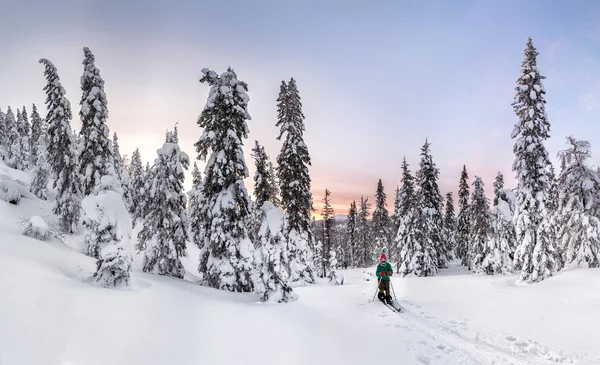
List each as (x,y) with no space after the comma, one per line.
(37,228)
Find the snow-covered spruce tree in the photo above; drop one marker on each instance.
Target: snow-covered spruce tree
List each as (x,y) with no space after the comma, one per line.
(165,232)
(480,229)
(3,134)
(272,256)
(62,151)
(363,234)
(41,169)
(498,186)
(501,246)
(396,215)
(36,133)
(318,255)
(463,222)
(137,176)
(334,276)
(195,197)
(13,138)
(274,185)
(351,234)
(263,180)
(577,215)
(122,174)
(95,149)
(380,224)
(535,255)
(227,260)
(429,214)
(109,229)
(20,147)
(327,213)
(410,250)
(292,170)
(450,226)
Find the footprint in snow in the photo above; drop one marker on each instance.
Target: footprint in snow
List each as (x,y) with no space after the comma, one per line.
(441,347)
(423,359)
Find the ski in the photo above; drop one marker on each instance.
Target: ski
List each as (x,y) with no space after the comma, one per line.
(393,307)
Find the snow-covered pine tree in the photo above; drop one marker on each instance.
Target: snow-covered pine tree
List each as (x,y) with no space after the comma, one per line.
(327,213)
(351,234)
(95,149)
(36,132)
(463,224)
(195,198)
(165,231)
(318,255)
(334,275)
(272,256)
(228,263)
(498,185)
(274,185)
(535,255)
(122,174)
(429,214)
(501,246)
(22,146)
(363,234)
(61,151)
(3,133)
(450,226)
(380,224)
(396,215)
(13,137)
(41,169)
(480,229)
(263,181)
(577,215)
(292,170)
(410,249)
(137,176)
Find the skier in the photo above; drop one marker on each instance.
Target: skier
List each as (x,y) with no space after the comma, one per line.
(383,273)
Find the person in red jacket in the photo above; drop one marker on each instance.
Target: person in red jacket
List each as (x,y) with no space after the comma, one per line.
(383,273)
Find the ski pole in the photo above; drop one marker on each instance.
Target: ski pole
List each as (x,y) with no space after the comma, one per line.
(376,289)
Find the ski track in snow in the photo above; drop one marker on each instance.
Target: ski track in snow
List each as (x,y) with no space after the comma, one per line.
(434,341)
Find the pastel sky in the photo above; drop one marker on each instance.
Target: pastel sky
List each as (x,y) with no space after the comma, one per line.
(376,77)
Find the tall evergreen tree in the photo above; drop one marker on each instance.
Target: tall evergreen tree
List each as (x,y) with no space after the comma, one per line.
(498,186)
(480,227)
(3,134)
(165,231)
(363,230)
(263,181)
(274,185)
(41,169)
(292,171)
(195,199)
(463,226)
(226,261)
(450,225)
(12,137)
(501,246)
(396,215)
(351,232)
(137,176)
(535,255)
(409,246)
(327,213)
(61,151)
(122,174)
(380,223)
(36,133)
(577,215)
(96,156)
(22,146)
(429,213)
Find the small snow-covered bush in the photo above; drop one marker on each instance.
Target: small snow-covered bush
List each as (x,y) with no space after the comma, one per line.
(9,192)
(37,228)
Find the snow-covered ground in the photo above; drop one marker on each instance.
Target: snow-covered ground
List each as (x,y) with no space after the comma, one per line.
(50,315)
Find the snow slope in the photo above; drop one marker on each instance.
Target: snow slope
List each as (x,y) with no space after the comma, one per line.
(49,314)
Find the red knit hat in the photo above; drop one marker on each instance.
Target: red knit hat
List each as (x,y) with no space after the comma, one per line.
(383,257)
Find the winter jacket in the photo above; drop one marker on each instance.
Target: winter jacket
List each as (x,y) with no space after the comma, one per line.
(384,269)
